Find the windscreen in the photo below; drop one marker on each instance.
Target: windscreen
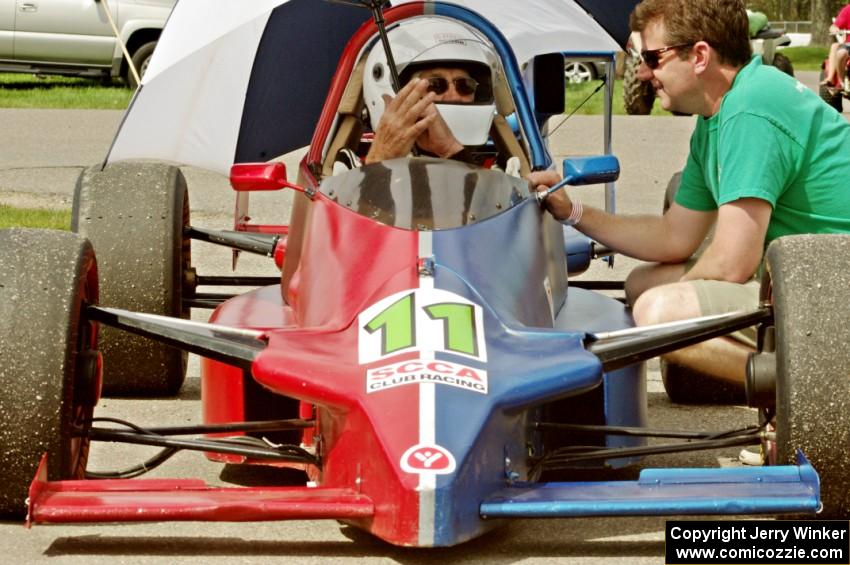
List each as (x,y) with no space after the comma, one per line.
(425,194)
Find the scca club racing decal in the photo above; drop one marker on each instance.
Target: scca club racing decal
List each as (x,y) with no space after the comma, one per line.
(419,371)
(426,321)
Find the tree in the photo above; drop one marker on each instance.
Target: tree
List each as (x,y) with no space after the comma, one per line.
(782,10)
(821,15)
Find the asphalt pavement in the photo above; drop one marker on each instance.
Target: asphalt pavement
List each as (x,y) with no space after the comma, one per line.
(41,154)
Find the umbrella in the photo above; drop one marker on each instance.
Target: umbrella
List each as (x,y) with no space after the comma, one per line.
(235,81)
(612,15)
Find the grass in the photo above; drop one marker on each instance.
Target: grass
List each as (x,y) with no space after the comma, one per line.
(29,91)
(806,58)
(585,99)
(11,217)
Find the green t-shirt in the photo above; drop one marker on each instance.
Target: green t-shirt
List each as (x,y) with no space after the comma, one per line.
(773,139)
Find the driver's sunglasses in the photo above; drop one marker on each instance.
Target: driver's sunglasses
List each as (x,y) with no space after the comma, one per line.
(652,57)
(465,86)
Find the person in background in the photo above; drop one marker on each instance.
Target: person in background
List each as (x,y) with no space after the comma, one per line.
(836,67)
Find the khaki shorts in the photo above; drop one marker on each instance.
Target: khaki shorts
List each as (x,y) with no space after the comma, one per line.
(721,297)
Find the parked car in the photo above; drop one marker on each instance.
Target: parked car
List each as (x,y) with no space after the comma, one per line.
(75,38)
(583,71)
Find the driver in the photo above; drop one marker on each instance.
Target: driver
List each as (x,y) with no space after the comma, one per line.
(412,118)
(445,106)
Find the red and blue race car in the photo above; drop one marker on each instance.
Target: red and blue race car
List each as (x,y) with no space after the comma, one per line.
(423,358)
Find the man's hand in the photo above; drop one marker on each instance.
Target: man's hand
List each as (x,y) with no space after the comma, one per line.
(558,203)
(438,139)
(405,118)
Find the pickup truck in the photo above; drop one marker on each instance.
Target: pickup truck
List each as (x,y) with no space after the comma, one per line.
(75,38)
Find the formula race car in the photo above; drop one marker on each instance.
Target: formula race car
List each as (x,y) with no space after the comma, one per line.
(422,358)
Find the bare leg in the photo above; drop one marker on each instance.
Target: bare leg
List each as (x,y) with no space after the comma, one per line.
(831,64)
(650,275)
(722,358)
(841,64)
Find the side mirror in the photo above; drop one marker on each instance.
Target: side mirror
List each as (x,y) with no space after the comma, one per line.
(591,170)
(549,85)
(245,177)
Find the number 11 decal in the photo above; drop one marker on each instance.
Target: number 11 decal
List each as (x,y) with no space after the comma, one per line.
(421,320)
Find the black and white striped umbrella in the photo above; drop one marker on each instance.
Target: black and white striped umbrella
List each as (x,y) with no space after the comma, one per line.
(245,80)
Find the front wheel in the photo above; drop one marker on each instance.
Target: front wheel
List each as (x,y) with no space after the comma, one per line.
(830,97)
(141,59)
(49,362)
(808,286)
(135,215)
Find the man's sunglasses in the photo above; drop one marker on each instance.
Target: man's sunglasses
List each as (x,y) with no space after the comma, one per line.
(651,57)
(465,86)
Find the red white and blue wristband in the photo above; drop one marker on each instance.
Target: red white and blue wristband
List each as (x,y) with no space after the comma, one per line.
(575,215)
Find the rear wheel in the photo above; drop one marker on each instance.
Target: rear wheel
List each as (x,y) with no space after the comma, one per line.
(812,358)
(687,386)
(833,99)
(638,96)
(48,358)
(684,385)
(135,215)
(783,63)
(672,189)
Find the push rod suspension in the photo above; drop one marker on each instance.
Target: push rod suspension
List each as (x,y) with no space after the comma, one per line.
(230,427)
(640,432)
(564,460)
(292,453)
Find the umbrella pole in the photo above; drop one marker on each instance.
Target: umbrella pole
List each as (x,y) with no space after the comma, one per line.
(120,41)
(378,14)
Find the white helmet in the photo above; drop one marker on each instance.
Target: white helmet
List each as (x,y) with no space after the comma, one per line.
(428,42)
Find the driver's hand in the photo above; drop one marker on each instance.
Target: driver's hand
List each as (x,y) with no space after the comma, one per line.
(558,203)
(438,139)
(404,119)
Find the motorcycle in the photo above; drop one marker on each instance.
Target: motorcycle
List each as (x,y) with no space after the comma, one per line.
(832,93)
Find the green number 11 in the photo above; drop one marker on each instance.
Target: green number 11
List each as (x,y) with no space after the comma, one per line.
(397,323)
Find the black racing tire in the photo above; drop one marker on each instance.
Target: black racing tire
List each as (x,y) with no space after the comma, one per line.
(808,287)
(684,385)
(670,197)
(141,59)
(135,214)
(49,390)
(783,63)
(833,99)
(671,190)
(687,386)
(638,96)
